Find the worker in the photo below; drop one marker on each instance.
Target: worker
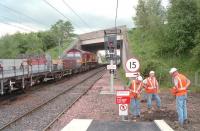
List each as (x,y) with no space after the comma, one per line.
(181,84)
(135,91)
(152,89)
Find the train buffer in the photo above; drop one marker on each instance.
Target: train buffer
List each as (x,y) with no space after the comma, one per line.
(100,125)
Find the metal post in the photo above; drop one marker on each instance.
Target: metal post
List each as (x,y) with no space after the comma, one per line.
(111,78)
(31,80)
(23,83)
(59,50)
(23,79)
(2,85)
(38,64)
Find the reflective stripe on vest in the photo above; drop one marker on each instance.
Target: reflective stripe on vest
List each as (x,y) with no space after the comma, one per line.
(153,85)
(134,88)
(180,82)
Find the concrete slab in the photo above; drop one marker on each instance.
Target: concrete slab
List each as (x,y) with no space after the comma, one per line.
(78,125)
(96,125)
(122,126)
(163,125)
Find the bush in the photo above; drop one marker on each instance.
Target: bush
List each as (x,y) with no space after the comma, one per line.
(196,51)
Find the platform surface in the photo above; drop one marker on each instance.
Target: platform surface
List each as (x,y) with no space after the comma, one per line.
(96,125)
(122,126)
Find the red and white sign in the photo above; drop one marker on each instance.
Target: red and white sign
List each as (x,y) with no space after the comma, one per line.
(132,65)
(123,99)
(123,109)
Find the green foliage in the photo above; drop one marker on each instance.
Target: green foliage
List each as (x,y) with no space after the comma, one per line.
(182,26)
(48,40)
(196,50)
(62,29)
(150,17)
(122,76)
(55,50)
(162,41)
(12,46)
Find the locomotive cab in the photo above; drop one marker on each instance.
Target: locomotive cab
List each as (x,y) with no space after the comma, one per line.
(72,59)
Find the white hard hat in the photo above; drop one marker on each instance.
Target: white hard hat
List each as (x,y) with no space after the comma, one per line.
(172,70)
(139,78)
(152,72)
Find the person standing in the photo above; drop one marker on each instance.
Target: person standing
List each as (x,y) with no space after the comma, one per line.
(152,88)
(135,91)
(181,84)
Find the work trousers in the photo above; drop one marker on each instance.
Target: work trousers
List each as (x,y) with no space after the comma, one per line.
(181,107)
(135,107)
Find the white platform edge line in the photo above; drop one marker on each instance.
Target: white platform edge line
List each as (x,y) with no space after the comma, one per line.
(78,125)
(162,125)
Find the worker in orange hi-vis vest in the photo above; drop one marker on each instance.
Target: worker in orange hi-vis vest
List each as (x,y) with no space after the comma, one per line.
(152,89)
(135,91)
(181,85)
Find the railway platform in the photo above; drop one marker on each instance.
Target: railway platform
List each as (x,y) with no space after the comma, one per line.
(98,111)
(97,125)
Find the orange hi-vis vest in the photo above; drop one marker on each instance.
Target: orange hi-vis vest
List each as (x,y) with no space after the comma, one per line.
(181,86)
(135,89)
(152,85)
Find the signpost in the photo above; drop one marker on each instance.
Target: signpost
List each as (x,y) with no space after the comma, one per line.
(123,99)
(110,44)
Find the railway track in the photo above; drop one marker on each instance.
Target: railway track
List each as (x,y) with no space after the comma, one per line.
(53,110)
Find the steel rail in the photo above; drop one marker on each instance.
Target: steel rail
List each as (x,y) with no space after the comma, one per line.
(48,101)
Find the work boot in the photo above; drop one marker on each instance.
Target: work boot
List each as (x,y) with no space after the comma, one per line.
(138,116)
(176,124)
(134,119)
(186,121)
(131,117)
(149,110)
(160,109)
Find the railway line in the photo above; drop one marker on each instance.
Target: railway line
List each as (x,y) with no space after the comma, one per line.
(42,116)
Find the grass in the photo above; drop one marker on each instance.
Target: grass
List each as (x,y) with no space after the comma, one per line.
(122,76)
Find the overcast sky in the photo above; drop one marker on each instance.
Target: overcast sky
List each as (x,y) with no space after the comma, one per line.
(98,14)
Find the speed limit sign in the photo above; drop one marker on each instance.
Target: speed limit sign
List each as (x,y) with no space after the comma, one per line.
(132,65)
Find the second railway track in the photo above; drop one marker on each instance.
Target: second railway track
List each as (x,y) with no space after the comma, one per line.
(43,116)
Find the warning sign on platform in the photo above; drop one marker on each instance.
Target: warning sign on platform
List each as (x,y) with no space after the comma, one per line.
(123,109)
(123,99)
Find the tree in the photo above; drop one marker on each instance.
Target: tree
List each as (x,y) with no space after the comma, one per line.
(196,50)
(35,43)
(182,26)
(48,40)
(63,31)
(149,20)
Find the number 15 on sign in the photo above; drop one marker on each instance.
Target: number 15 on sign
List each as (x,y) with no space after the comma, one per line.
(132,65)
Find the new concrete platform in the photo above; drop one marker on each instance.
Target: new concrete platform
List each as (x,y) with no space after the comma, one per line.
(96,125)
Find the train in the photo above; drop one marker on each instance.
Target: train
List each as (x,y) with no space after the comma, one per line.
(20,74)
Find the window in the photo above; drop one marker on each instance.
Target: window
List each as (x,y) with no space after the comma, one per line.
(70,55)
(77,55)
